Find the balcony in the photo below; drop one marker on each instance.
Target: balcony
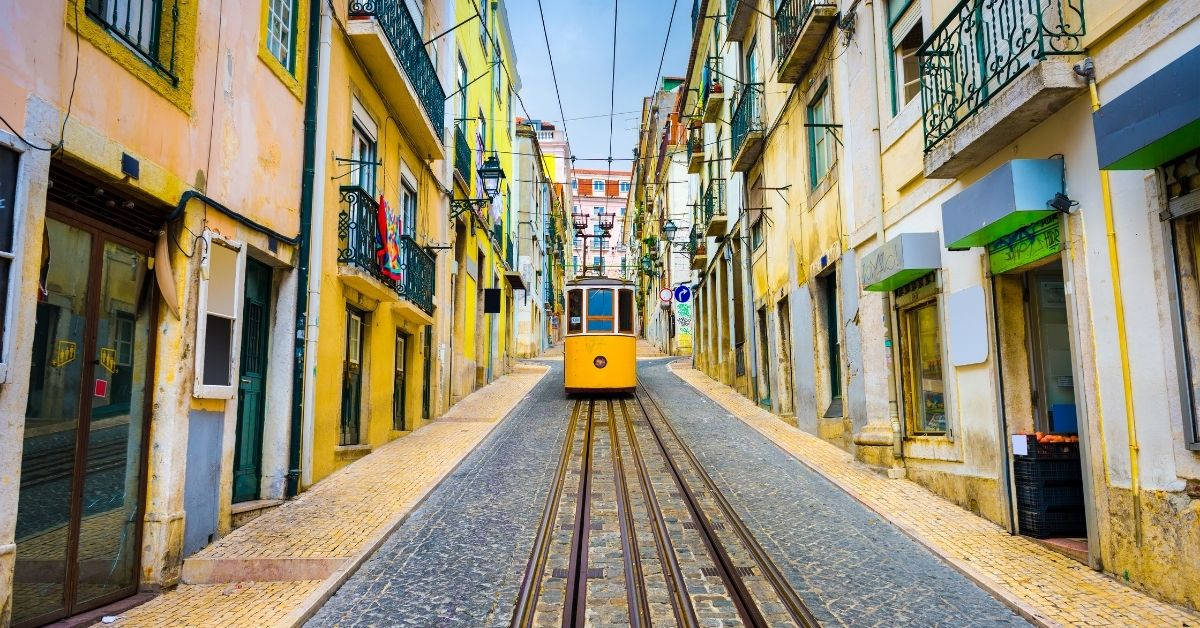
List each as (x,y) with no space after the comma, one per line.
(991,72)
(712,209)
(695,150)
(697,250)
(712,89)
(737,15)
(387,39)
(746,136)
(462,158)
(359,256)
(800,27)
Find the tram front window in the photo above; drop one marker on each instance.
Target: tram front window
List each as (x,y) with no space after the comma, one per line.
(575,311)
(625,307)
(600,310)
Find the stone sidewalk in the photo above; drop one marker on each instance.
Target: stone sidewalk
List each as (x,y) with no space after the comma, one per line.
(1045,587)
(279,568)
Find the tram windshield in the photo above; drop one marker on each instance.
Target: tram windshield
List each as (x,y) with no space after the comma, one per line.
(625,309)
(574,311)
(600,310)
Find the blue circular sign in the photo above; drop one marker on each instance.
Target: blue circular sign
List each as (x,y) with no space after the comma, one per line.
(683,294)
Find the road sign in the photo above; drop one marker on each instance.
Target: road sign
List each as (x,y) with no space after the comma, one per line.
(683,294)
(664,295)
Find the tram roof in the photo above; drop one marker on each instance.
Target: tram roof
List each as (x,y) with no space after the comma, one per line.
(599,281)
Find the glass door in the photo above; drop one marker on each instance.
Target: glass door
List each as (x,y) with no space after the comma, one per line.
(82,480)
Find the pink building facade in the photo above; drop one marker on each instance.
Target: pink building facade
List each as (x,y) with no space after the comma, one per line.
(601,195)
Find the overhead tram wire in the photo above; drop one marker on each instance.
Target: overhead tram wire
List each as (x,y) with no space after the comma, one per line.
(612,89)
(554,77)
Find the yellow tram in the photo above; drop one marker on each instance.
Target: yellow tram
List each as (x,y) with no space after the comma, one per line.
(601,340)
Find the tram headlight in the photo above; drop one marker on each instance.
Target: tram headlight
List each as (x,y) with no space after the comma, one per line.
(600,361)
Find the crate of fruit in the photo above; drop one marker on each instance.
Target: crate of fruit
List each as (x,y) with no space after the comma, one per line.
(1042,446)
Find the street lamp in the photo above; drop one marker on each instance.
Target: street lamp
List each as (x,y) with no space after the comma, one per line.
(669,229)
(492,174)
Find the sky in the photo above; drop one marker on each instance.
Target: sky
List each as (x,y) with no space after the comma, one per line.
(581,39)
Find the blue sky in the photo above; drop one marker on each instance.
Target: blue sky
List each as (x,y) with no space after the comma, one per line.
(581,40)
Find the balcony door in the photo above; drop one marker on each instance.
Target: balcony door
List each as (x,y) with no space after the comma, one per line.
(78,532)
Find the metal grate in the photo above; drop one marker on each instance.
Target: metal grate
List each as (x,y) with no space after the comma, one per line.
(139,25)
(747,115)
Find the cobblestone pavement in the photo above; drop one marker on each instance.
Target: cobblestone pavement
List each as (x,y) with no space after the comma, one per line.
(1047,586)
(331,524)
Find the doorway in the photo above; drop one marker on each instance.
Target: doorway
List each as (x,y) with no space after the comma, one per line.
(764,360)
(256,330)
(400,383)
(83,477)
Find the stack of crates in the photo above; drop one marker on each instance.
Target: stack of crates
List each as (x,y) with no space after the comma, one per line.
(1049,483)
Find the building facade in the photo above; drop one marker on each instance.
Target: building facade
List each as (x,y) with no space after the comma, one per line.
(598,199)
(929,247)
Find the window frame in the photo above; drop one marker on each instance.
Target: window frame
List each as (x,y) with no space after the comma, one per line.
(362,124)
(892,44)
(1185,344)
(201,390)
(577,293)
(612,317)
(294,9)
(602,187)
(923,292)
(820,102)
(15,257)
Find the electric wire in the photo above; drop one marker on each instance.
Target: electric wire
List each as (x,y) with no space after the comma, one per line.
(612,89)
(554,77)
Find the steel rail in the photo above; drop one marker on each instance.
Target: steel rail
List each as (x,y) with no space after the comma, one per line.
(531,584)
(796,607)
(635,582)
(576,596)
(750,614)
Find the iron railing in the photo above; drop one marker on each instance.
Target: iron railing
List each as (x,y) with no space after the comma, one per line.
(695,143)
(409,46)
(981,47)
(462,154)
(359,245)
(747,115)
(789,23)
(710,76)
(714,200)
(139,25)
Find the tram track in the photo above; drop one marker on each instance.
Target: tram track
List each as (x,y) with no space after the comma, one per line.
(635,532)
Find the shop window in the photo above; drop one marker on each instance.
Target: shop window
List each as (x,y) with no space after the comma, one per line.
(599,310)
(218,328)
(9,159)
(625,309)
(575,311)
(905,37)
(921,367)
(1181,181)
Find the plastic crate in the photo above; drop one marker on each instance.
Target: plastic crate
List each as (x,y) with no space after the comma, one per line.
(1048,451)
(1044,524)
(1053,497)
(1043,471)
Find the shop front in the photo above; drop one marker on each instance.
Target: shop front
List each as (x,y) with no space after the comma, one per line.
(83,469)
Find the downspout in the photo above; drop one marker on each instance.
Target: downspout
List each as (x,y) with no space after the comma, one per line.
(312,211)
(1087,70)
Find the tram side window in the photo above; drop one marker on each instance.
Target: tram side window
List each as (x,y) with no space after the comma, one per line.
(600,310)
(625,310)
(575,311)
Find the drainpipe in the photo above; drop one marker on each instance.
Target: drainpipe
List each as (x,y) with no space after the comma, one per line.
(308,285)
(1087,70)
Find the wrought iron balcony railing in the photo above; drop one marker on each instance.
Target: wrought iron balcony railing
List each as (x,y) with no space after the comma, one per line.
(981,47)
(714,200)
(409,47)
(695,143)
(710,78)
(462,155)
(789,23)
(747,115)
(143,25)
(360,243)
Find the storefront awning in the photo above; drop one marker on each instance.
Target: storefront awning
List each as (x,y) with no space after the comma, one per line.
(1006,199)
(1154,121)
(901,260)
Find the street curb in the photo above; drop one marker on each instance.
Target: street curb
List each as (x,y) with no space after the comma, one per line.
(317,598)
(1019,606)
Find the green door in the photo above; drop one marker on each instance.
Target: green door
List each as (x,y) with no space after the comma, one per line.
(247,456)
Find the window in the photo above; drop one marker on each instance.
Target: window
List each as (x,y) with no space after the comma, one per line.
(408,210)
(134,22)
(597,187)
(624,187)
(1181,179)
(399,381)
(483,25)
(820,142)
(281,28)
(625,309)
(575,310)
(461,88)
(921,357)
(363,149)
(9,161)
(905,36)
(352,370)
(599,310)
(496,81)
(575,188)
(218,329)
(756,232)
